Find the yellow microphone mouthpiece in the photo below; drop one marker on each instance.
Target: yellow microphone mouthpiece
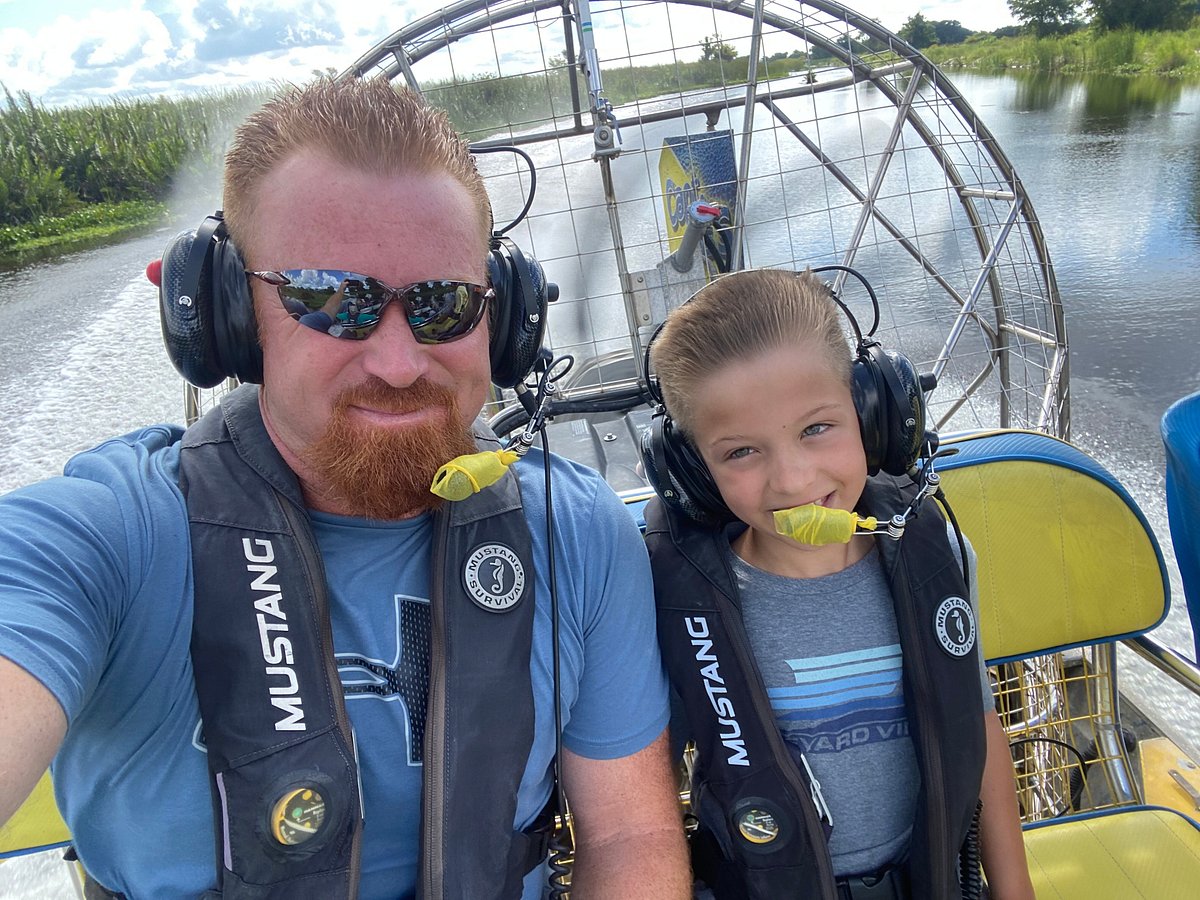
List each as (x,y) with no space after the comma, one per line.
(470,474)
(819,525)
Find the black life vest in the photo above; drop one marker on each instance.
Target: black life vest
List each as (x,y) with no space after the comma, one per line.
(743,768)
(280,745)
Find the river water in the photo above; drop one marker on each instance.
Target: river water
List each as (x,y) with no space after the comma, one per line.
(1113,169)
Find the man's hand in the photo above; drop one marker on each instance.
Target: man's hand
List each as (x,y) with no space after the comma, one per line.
(32,725)
(628,827)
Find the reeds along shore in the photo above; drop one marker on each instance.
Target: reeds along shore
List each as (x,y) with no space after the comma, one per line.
(114,164)
(70,163)
(55,161)
(1087,51)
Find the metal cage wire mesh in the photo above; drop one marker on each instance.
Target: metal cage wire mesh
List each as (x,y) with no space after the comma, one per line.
(857,152)
(1069,750)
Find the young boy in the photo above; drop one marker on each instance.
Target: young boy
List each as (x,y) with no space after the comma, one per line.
(845,727)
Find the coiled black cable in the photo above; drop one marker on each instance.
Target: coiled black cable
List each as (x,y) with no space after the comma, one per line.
(1090,754)
(559,844)
(970,870)
(560,871)
(718,254)
(511,418)
(516,151)
(940,497)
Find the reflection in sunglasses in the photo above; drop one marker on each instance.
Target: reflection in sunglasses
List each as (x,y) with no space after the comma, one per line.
(348,305)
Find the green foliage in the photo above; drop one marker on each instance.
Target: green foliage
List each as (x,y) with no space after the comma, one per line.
(951,31)
(28,192)
(58,167)
(1172,54)
(1143,15)
(90,220)
(1045,17)
(712,48)
(54,161)
(1121,52)
(1115,49)
(922,32)
(484,105)
(918,31)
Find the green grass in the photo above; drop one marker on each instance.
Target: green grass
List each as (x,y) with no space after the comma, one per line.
(88,225)
(483,106)
(82,173)
(1126,52)
(54,162)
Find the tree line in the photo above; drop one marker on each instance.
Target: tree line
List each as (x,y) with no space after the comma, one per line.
(57,166)
(96,165)
(1043,18)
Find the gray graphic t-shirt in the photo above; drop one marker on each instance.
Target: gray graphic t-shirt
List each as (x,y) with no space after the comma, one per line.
(829,652)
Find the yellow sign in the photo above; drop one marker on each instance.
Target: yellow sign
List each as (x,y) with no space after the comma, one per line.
(695,167)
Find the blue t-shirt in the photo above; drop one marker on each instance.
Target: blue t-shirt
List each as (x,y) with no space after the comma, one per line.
(95,601)
(828,649)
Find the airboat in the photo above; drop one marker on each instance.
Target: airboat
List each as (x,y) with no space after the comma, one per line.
(643,149)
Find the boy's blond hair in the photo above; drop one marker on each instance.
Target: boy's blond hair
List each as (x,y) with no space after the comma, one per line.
(367,123)
(740,316)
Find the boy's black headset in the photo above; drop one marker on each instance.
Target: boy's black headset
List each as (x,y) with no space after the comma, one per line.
(209,328)
(889,397)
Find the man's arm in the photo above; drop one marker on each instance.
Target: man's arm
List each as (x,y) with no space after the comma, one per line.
(628,826)
(1002,846)
(32,725)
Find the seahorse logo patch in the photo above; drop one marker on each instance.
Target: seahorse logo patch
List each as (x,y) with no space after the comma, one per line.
(494,577)
(955,626)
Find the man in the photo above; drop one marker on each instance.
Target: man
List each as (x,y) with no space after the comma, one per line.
(109,575)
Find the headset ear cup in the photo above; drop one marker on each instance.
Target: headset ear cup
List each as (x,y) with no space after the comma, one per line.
(526,336)
(891,409)
(500,313)
(906,412)
(517,320)
(865,389)
(234,323)
(679,475)
(185,306)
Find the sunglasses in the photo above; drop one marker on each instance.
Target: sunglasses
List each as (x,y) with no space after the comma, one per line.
(348,305)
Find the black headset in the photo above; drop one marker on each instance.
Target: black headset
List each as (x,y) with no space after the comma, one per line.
(888,397)
(208,323)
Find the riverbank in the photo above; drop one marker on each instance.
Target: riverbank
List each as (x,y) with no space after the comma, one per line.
(93,224)
(1174,54)
(51,160)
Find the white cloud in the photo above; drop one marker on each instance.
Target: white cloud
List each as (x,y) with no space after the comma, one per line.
(94,53)
(140,47)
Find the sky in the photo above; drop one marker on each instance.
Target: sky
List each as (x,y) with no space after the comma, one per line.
(68,52)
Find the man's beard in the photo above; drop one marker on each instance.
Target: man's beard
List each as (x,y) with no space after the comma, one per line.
(385,473)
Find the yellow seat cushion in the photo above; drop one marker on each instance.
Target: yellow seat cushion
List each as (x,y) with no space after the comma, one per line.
(1137,853)
(36,824)
(1063,558)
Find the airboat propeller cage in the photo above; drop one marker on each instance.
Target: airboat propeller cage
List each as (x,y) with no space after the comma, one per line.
(842,144)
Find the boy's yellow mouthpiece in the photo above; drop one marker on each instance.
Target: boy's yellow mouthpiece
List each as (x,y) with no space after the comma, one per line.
(812,524)
(470,474)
